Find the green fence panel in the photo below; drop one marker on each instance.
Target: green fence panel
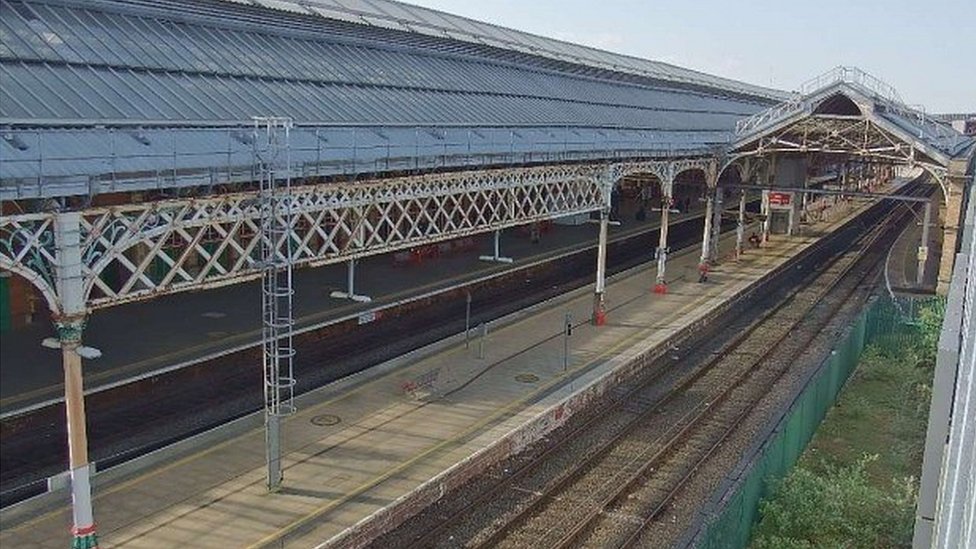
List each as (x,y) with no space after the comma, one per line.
(888,324)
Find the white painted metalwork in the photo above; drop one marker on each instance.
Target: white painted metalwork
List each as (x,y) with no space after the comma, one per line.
(799,100)
(134,252)
(667,170)
(858,137)
(884,98)
(350,292)
(70,322)
(765,117)
(140,251)
(497,256)
(599,316)
(272,163)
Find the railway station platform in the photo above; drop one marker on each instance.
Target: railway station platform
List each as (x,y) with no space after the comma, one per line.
(901,271)
(363,450)
(143,339)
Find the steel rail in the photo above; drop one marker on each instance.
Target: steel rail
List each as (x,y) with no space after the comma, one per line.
(703,410)
(581,525)
(632,539)
(432,535)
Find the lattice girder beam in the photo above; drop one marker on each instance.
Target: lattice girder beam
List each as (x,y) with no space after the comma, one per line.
(857,137)
(140,251)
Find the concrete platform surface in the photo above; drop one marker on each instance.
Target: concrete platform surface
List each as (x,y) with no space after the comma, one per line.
(355,451)
(141,338)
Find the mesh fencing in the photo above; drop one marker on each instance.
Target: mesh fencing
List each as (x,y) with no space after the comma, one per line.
(891,325)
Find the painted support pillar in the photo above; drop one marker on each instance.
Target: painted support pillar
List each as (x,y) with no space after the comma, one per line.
(716,225)
(923,246)
(497,257)
(767,217)
(740,227)
(661,282)
(359,240)
(599,297)
(707,233)
(766,210)
(70,323)
(791,219)
(351,285)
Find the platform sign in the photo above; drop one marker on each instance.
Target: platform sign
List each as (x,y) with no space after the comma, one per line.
(780,199)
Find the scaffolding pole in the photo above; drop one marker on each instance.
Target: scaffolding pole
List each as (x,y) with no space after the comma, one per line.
(272,158)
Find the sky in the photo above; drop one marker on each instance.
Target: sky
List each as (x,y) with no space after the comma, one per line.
(926,49)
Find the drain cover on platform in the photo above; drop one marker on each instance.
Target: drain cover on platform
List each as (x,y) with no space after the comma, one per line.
(326,420)
(526,378)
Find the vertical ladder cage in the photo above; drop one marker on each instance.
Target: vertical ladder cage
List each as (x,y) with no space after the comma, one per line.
(272,159)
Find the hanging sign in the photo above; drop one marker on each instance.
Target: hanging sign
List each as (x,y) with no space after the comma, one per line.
(780,199)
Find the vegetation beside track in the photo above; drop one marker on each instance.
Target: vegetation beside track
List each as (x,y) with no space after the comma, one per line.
(856,484)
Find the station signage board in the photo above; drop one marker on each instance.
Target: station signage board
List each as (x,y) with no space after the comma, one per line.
(780,199)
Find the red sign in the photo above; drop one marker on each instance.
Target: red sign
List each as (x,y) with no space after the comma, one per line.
(780,199)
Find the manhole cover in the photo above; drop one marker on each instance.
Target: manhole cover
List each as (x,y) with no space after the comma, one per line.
(326,420)
(527,378)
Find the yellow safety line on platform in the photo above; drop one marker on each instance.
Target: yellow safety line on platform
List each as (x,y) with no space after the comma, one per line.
(390,298)
(465,433)
(318,407)
(349,394)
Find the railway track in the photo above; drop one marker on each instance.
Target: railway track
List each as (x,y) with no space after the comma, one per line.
(606,482)
(130,421)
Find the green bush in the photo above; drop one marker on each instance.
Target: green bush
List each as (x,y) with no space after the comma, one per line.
(854,486)
(836,508)
(930,318)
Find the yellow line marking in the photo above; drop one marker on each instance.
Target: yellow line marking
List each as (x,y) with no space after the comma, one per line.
(354,391)
(465,433)
(203,453)
(318,407)
(244,338)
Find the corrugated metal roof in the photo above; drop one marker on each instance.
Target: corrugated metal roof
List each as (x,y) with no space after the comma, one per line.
(410,18)
(106,95)
(82,65)
(934,132)
(885,106)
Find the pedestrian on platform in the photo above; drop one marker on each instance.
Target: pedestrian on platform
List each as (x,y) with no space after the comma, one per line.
(754,240)
(703,273)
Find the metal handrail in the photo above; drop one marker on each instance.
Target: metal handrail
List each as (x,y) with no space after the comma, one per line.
(872,85)
(155,158)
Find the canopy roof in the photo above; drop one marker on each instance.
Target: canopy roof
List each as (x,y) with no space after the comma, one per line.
(108,95)
(847,111)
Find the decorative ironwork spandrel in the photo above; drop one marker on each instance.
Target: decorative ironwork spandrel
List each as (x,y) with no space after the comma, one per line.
(138,251)
(27,246)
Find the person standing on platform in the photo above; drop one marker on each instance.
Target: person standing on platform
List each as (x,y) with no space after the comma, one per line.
(703,273)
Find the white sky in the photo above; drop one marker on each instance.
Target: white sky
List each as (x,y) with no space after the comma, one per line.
(924,48)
